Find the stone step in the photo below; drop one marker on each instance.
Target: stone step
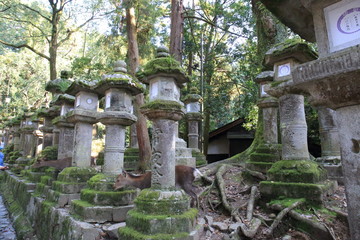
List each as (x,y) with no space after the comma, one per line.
(100,214)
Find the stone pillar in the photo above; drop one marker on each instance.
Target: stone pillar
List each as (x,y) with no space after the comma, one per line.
(330,144)
(329,135)
(39,138)
(293,127)
(287,176)
(63,133)
(29,138)
(16,136)
(48,115)
(164,110)
(47,130)
(268,152)
(83,116)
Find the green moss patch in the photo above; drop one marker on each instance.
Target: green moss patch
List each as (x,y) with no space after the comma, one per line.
(272,190)
(152,201)
(298,171)
(170,224)
(76,174)
(160,65)
(101,198)
(163,105)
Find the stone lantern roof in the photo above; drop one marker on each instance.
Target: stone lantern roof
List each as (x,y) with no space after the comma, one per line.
(163,65)
(81,85)
(48,112)
(266,76)
(63,98)
(295,14)
(59,85)
(119,78)
(296,49)
(193,96)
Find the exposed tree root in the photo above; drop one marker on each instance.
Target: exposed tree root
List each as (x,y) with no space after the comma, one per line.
(317,230)
(280,216)
(250,207)
(256,174)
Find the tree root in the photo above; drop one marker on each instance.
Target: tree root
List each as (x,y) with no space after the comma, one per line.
(250,207)
(256,174)
(315,229)
(280,216)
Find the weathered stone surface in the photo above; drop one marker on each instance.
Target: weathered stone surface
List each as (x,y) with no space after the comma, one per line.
(293,128)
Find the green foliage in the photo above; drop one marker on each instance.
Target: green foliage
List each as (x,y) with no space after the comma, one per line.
(48,153)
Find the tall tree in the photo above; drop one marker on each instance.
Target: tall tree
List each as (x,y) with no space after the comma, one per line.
(42,26)
(176,27)
(133,58)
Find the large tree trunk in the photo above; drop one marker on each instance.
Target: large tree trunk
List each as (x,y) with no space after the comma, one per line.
(177,25)
(133,58)
(52,62)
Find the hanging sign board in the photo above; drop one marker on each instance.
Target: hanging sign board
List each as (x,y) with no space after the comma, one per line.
(343,24)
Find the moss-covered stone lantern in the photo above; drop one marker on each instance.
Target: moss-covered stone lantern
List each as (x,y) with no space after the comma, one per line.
(174,219)
(64,129)
(83,116)
(193,116)
(48,114)
(295,175)
(117,88)
(332,81)
(269,151)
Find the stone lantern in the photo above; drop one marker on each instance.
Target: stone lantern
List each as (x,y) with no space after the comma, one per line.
(15,132)
(295,155)
(117,88)
(165,77)
(29,138)
(332,80)
(63,128)
(84,116)
(193,115)
(48,114)
(269,151)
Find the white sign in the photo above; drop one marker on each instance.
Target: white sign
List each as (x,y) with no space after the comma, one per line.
(343,24)
(284,70)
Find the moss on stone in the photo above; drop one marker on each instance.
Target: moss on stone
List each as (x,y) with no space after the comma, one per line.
(162,104)
(122,79)
(300,171)
(286,202)
(170,224)
(152,201)
(108,198)
(160,65)
(272,190)
(76,174)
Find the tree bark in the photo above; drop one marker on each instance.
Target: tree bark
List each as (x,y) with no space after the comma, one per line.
(176,27)
(133,58)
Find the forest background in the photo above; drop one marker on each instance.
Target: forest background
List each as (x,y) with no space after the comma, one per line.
(222,46)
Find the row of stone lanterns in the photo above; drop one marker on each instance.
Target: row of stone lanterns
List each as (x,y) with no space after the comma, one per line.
(72,132)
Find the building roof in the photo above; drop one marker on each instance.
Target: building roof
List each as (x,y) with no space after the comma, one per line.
(226,127)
